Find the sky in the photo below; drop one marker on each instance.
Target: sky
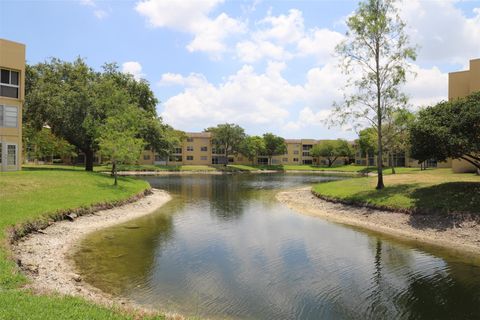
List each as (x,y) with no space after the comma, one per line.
(268,66)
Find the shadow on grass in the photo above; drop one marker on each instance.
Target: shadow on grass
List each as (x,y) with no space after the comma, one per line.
(438,207)
(447,204)
(53,168)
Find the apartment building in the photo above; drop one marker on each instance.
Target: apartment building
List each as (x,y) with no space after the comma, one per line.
(12,95)
(462,84)
(197,149)
(401,159)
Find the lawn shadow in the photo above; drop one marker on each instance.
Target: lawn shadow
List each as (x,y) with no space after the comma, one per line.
(53,168)
(445,205)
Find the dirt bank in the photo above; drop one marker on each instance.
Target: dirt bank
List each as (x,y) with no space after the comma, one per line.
(45,255)
(461,235)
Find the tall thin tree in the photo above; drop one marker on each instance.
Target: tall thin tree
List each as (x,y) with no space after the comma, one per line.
(374,57)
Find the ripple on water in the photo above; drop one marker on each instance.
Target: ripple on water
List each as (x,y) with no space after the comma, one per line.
(223,247)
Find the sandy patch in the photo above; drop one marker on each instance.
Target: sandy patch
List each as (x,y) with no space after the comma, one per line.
(457,233)
(44,255)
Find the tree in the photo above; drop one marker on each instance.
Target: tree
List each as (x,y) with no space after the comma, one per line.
(396,133)
(119,139)
(448,130)
(367,141)
(332,150)
(227,137)
(274,146)
(75,101)
(375,55)
(43,144)
(252,147)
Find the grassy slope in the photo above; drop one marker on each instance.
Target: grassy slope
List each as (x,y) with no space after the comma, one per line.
(32,195)
(436,190)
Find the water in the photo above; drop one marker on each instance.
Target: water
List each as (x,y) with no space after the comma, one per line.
(225,248)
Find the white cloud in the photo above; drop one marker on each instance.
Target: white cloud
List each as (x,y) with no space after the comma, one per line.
(134,68)
(283,29)
(90,3)
(192,17)
(100,14)
(445,34)
(249,51)
(284,37)
(320,43)
(428,87)
(246,97)
(192,80)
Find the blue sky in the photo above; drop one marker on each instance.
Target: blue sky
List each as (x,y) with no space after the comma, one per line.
(266,65)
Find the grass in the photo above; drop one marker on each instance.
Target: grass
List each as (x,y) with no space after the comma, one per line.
(229,168)
(35,195)
(437,191)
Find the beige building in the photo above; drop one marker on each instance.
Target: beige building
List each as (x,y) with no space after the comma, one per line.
(402,159)
(12,95)
(462,84)
(197,149)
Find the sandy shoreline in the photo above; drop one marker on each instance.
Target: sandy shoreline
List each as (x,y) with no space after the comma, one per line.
(44,255)
(462,236)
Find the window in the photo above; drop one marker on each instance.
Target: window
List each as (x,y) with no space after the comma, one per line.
(190,158)
(189,139)
(295,152)
(189,148)
(146,157)
(262,161)
(218,150)
(306,153)
(204,148)
(285,159)
(175,159)
(295,159)
(11,155)
(8,116)
(307,147)
(177,150)
(230,160)
(9,81)
(203,158)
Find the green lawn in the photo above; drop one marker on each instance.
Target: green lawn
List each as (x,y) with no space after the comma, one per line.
(434,191)
(35,195)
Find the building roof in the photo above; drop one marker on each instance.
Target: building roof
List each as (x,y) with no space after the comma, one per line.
(198,134)
(293,140)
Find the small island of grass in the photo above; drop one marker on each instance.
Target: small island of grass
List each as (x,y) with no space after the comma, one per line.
(23,203)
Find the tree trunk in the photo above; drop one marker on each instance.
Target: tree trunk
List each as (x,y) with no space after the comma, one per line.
(329,162)
(88,160)
(114,169)
(392,163)
(380,184)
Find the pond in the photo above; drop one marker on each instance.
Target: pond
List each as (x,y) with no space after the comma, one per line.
(225,248)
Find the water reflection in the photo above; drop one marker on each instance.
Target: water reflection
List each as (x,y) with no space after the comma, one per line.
(223,247)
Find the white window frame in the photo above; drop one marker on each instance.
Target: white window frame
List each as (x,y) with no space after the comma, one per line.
(9,84)
(190,148)
(3,110)
(5,165)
